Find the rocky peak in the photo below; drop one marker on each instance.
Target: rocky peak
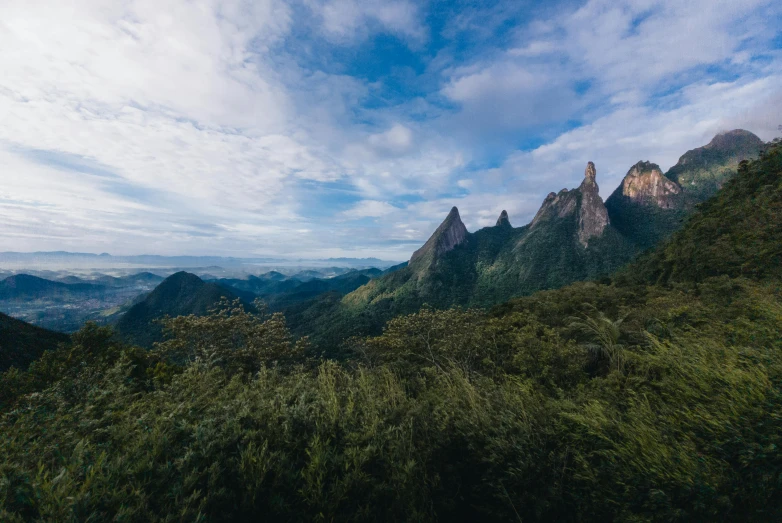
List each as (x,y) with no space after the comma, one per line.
(503,220)
(645,184)
(448,235)
(590,174)
(592,215)
(556,205)
(585,201)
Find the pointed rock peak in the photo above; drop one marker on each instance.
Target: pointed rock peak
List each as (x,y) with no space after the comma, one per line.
(590,171)
(503,220)
(448,235)
(590,176)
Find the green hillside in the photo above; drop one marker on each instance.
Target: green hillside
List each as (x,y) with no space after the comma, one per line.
(179,294)
(735,233)
(664,201)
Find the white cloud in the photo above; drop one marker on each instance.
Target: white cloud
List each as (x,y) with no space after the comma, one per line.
(397,141)
(621,138)
(347,19)
(370,209)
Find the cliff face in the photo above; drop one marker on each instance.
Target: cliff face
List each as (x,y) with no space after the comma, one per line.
(645,184)
(448,235)
(585,202)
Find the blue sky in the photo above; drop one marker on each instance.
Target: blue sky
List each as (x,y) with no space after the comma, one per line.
(349,128)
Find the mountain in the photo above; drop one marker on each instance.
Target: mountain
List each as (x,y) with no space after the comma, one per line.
(735,233)
(21,343)
(180,294)
(569,239)
(259,286)
(702,171)
(649,205)
(573,237)
(26,287)
(446,238)
(340,285)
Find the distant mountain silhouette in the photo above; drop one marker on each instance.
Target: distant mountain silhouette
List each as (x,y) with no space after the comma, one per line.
(26,287)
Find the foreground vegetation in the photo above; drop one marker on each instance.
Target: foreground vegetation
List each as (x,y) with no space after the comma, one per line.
(655,396)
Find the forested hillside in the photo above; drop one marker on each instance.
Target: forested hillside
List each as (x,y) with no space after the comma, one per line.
(21,343)
(654,395)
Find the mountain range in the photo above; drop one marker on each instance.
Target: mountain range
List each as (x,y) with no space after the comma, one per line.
(574,236)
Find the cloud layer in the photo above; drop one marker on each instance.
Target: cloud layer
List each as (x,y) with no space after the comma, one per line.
(333,128)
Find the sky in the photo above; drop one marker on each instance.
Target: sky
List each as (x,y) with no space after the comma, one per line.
(311,128)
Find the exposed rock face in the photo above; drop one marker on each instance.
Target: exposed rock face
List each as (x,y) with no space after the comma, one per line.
(503,220)
(448,235)
(586,201)
(556,205)
(592,215)
(645,183)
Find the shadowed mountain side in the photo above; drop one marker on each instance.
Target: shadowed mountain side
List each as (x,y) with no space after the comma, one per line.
(22,343)
(573,237)
(178,295)
(570,239)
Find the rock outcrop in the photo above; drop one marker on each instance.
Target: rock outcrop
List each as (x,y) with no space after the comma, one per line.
(585,202)
(646,184)
(556,205)
(503,220)
(448,235)
(592,216)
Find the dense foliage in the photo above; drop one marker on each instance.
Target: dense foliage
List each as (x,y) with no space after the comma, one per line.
(645,398)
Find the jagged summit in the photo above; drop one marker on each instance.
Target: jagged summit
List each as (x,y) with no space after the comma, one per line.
(584,202)
(646,184)
(503,220)
(448,235)
(592,216)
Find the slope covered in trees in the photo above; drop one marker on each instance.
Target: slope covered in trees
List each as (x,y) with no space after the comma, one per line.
(22,343)
(654,397)
(180,294)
